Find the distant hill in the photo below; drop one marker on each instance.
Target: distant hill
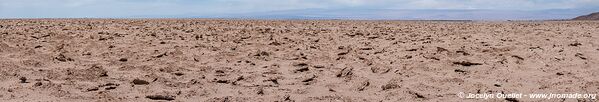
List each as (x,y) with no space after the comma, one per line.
(398,14)
(415,14)
(592,16)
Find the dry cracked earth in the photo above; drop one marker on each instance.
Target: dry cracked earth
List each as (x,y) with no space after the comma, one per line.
(293,60)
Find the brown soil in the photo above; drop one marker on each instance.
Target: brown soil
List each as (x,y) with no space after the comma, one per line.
(263,60)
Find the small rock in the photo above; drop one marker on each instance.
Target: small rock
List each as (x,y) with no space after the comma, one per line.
(332,90)
(178,74)
(345,72)
(160,97)
(381,70)
(309,79)
(440,49)
(368,48)
(463,53)
(390,86)
(302,69)
(464,63)
(222,81)
(63,58)
(518,57)
(418,95)
(580,55)
(123,59)
(140,82)
(318,66)
(575,44)
(108,84)
(497,85)
(23,79)
(262,53)
(459,71)
(93,89)
(300,64)
(363,85)
(260,91)
(38,84)
(161,55)
(110,88)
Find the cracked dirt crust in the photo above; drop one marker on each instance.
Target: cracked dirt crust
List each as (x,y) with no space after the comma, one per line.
(296,60)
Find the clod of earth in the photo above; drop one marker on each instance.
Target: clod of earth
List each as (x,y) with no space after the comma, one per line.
(23,79)
(262,53)
(110,88)
(178,74)
(222,81)
(464,63)
(363,85)
(580,55)
(463,53)
(300,64)
(93,89)
(575,44)
(108,84)
(342,53)
(302,69)
(309,79)
(38,84)
(459,71)
(161,55)
(140,82)
(368,48)
(418,95)
(345,72)
(160,97)
(390,86)
(381,70)
(63,58)
(123,59)
(318,66)
(518,57)
(440,49)
(260,91)
(496,85)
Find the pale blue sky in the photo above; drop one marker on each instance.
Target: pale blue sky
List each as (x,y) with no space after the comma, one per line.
(128,8)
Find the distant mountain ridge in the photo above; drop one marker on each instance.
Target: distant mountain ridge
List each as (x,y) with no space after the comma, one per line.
(402,14)
(592,16)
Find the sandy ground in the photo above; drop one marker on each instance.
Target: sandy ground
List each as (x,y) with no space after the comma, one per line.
(286,61)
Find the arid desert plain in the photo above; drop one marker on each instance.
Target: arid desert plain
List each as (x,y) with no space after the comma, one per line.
(212,60)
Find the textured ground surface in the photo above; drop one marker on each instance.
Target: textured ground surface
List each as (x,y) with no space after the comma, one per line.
(245,60)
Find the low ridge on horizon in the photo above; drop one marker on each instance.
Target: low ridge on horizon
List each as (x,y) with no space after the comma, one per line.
(592,16)
(409,14)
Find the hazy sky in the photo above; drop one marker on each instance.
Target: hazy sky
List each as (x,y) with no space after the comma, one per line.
(127,8)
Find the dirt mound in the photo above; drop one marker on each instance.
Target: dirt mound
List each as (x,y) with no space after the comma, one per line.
(592,16)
